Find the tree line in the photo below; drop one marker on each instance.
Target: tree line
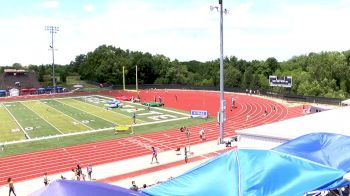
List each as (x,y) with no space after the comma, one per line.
(324,74)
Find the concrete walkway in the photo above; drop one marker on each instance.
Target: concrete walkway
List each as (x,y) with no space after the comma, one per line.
(140,169)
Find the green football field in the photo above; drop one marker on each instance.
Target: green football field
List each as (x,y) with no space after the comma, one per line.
(24,120)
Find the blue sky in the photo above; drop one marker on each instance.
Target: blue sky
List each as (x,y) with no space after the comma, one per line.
(181,29)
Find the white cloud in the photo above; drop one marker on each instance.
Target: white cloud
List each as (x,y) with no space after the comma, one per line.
(89,8)
(50,4)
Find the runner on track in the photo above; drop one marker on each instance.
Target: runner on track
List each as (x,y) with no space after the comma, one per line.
(154,155)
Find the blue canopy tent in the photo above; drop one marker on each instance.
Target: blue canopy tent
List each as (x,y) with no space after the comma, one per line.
(59,89)
(77,188)
(2,93)
(48,89)
(294,168)
(41,90)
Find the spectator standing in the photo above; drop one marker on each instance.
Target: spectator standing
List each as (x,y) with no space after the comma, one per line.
(133,186)
(78,172)
(186,158)
(89,171)
(202,134)
(46,180)
(134,117)
(232,103)
(154,155)
(11,186)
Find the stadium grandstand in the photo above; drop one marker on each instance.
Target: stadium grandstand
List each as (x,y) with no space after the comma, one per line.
(14,82)
(18,78)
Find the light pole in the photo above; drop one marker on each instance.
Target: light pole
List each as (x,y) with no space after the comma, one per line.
(52,30)
(222,115)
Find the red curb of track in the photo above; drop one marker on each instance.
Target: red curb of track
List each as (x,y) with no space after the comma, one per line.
(162,167)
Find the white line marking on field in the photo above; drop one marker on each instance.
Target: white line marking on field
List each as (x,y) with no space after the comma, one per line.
(157,108)
(68,116)
(43,118)
(85,111)
(25,133)
(108,110)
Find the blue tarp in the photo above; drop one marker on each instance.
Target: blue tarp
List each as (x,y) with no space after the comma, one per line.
(78,188)
(299,166)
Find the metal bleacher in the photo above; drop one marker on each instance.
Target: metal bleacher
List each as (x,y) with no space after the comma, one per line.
(26,79)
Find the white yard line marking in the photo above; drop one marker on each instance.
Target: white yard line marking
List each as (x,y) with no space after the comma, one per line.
(157,122)
(68,116)
(85,111)
(43,118)
(157,108)
(58,136)
(108,110)
(25,133)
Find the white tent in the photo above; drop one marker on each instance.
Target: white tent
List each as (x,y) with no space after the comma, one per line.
(14,92)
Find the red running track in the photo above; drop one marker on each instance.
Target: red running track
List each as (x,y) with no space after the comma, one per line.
(32,165)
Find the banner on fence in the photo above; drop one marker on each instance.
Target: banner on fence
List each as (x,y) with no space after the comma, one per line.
(199,113)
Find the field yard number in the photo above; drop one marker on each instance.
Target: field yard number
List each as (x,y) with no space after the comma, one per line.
(149,113)
(85,121)
(162,117)
(158,115)
(14,130)
(75,123)
(132,110)
(94,100)
(28,128)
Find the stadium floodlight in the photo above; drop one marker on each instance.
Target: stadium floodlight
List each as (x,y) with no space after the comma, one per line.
(221,115)
(52,30)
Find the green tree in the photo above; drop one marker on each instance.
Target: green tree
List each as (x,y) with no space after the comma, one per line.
(232,77)
(41,73)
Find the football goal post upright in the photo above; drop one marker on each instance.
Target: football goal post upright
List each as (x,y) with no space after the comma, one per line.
(123,78)
(136,80)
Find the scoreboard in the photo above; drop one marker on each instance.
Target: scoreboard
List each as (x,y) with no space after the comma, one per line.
(281,81)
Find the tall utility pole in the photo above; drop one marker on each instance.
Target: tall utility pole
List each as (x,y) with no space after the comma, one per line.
(52,30)
(222,107)
(222,98)
(123,78)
